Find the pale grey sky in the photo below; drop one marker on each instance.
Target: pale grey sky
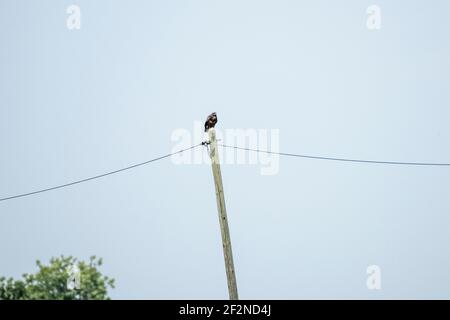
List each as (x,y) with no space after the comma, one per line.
(76,103)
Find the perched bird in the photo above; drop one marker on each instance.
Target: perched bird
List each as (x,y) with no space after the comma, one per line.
(210,121)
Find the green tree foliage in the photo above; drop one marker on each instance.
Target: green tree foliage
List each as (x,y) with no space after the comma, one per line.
(51,282)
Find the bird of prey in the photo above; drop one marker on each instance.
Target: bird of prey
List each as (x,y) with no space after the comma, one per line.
(210,121)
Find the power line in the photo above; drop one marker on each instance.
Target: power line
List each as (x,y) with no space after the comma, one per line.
(225,146)
(337,159)
(98,176)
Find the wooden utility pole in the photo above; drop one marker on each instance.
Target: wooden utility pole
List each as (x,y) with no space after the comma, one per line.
(226,241)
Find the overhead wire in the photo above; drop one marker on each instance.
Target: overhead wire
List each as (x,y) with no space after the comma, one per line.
(336,158)
(98,176)
(306,156)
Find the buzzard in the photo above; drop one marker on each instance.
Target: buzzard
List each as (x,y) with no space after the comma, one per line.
(210,121)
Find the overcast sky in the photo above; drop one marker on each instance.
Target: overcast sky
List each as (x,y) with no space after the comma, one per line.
(76,103)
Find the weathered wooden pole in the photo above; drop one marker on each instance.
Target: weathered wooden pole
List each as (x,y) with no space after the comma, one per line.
(226,241)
